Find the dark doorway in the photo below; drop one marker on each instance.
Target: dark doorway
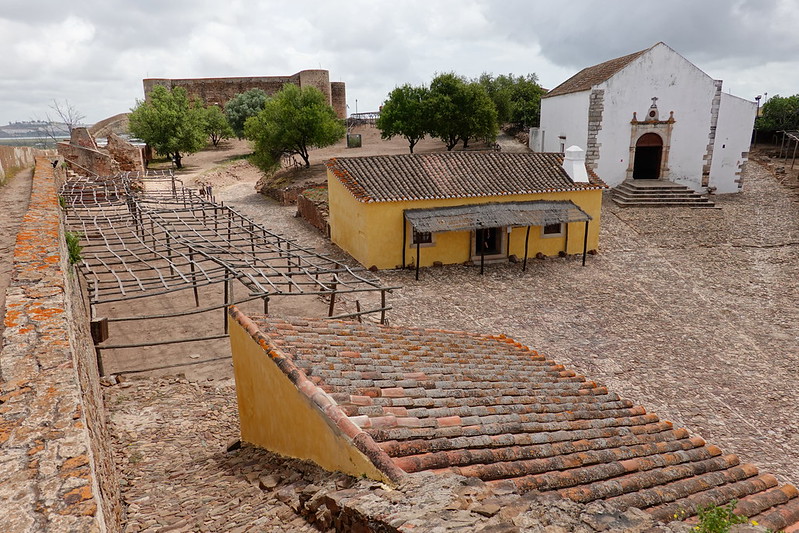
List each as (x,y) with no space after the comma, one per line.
(489,241)
(648,153)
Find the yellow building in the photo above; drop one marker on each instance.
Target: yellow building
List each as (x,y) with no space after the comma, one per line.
(460,207)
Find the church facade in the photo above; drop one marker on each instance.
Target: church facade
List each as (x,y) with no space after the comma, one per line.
(650,115)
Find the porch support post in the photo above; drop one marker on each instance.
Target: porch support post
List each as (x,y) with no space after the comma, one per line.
(526,247)
(417,260)
(585,241)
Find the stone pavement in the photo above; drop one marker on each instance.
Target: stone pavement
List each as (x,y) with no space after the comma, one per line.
(170,440)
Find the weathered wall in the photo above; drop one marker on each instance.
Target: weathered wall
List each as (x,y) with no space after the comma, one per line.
(128,157)
(565,116)
(218,91)
(312,207)
(57,469)
(736,120)
(286,416)
(88,158)
(15,158)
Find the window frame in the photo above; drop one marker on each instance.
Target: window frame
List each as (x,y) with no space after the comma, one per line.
(561,232)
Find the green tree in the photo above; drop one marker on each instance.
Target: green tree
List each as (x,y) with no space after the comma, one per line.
(169,122)
(779,114)
(293,121)
(405,114)
(517,98)
(216,125)
(243,106)
(460,111)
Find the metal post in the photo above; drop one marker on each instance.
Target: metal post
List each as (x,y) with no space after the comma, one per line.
(585,241)
(228,298)
(794,153)
(169,254)
(782,144)
(332,298)
(417,260)
(266,305)
(194,279)
(526,248)
(383,306)
(288,261)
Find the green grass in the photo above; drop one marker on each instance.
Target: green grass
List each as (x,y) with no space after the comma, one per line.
(73,247)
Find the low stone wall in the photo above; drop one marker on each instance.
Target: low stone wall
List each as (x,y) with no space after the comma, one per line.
(15,158)
(57,470)
(312,207)
(129,157)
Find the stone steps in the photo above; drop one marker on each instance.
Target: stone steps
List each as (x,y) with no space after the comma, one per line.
(657,193)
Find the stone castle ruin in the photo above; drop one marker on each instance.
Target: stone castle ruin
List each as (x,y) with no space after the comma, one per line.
(217,91)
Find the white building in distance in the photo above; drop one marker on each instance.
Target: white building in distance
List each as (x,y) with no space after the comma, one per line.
(650,115)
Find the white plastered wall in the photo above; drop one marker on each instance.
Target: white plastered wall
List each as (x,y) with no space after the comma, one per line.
(565,115)
(733,136)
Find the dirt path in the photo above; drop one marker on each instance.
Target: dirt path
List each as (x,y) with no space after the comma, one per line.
(14,198)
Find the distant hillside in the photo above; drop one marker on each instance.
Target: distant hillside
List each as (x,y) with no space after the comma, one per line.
(34,128)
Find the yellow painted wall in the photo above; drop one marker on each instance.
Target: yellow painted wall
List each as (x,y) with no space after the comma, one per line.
(276,416)
(372,232)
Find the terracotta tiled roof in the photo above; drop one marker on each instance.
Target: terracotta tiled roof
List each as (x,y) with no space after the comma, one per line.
(489,407)
(590,76)
(454,175)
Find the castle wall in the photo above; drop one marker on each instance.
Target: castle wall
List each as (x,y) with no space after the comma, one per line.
(15,158)
(58,468)
(217,91)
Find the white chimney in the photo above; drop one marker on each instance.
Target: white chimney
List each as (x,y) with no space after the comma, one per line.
(574,164)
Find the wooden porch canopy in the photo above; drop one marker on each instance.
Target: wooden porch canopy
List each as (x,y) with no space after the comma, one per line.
(493,215)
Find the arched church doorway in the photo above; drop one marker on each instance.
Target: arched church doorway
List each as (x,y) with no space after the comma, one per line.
(648,155)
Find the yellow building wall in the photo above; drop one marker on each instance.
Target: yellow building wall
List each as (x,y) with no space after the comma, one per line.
(372,232)
(276,416)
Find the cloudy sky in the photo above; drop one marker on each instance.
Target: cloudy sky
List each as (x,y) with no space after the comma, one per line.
(94,53)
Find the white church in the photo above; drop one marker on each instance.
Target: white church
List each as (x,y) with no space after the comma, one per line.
(651,115)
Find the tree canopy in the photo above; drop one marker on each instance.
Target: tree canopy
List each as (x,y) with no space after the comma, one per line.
(460,111)
(216,124)
(517,98)
(779,113)
(169,122)
(243,106)
(293,121)
(404,114)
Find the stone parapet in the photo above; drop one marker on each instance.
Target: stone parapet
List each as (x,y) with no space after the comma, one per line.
(56,469)
(14,158)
